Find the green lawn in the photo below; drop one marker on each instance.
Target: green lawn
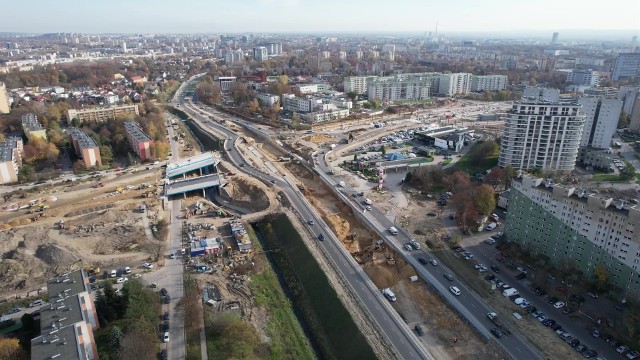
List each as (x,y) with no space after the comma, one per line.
(608,177)
(468,164)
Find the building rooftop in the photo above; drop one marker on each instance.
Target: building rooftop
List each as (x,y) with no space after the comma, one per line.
(60,312)
(57,344)
(85,141)
(69,284)
(7,147)
(30,122)
(136,132)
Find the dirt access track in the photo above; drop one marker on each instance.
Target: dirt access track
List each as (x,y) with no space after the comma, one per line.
(417,304)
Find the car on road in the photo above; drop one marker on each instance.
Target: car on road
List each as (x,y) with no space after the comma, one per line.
(415,244)
(166,337)
(320,237)
(148,266)
(172,256)
(490,241)
(558,305)
(433,262)
(419,330)
(454,290)
(369,208)
(448,276)
(408,247)
(423,261)
(497,333)
(35,303)
(13,311)
(311,222)
(165,316)
(164,292)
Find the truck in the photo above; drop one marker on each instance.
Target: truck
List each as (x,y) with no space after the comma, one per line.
(510,292)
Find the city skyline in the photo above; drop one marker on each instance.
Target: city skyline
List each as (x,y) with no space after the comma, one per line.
(304,16)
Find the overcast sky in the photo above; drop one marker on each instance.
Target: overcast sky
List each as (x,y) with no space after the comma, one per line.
(202,16)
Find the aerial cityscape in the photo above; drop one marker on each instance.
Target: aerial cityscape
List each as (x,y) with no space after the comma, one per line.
(263,180)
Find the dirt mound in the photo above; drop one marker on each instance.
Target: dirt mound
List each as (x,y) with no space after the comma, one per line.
(102,217)
(55,256)
(320,138)
(381,276)
(245,194)
(89,210)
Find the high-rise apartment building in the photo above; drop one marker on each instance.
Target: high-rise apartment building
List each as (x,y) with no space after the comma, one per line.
(540,93)
(396,88)
(627,65)
(601,120)
(571,226)
(542,134)
(583,77)
(481,83)
(357,84)
(233,57)
(454,84)
(139,141)
(4,99)
(554,38)
(260,53)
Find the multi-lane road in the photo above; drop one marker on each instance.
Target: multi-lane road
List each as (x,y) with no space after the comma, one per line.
(395,329)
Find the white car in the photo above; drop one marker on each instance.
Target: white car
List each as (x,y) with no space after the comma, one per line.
(558,305)
(148,265)
(114,273)
(166,337)
(433,262)
(408,247)
(127,270)
(454,290)
(121,280)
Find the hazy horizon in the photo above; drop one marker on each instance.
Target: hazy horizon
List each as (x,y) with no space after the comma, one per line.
(330,16)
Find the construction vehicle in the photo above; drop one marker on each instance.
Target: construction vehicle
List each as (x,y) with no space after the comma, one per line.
(92,270)
(119,189)
(61,224)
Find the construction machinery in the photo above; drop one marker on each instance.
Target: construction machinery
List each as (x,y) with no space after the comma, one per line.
(92,270)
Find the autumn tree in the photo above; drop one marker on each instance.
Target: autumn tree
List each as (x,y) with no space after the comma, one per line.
(239,92)
(601,276)
(38,149)
(106,154)
(10,349)
(138,343)
(508,173)
(484,199)
(494,177)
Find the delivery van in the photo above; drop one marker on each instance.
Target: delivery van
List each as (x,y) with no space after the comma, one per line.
(389,294)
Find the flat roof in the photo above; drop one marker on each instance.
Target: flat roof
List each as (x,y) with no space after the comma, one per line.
(7,147)
(85,141)
(60,312)
(133,129)
(71,283)
(30,122)
(62,344)
(198,183)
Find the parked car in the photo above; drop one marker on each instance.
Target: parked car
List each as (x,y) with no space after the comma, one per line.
(558,305)
(419,330)
(164,292)
(165,316)
(13,311)
(166,337)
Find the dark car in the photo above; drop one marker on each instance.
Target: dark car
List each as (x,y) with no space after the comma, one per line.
(163,355)
(419,330)
(423,261)
(167,299)
(541,293)
(448,277)
(567,310)
(13,311)
(489,277)
(320,237)
(574,342)
(589,353)
(497,333)
(164,292)
(165,316)
(580,348)
(521,276)
(555,327)
(165,326)
(495,269)
(549,322)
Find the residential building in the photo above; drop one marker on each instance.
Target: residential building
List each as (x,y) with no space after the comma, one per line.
(571,226)
(307,88)
(542,134)
(394,88)
(627,65)
(85,147)
(267,99)
(233,57)
(11,150)
(628,93)
(260,53)
(554,38)
(139,141)
(583,77)
(32,128)
(357,84)
(102,114)
(320,116)
(481,83)
(274,48)
(634,123)
(601,91)
(4,99)
(68,322)
(601,120)
(454,84)
(601,159)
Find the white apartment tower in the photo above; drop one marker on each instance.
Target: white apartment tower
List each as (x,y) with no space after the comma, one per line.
(481,83)
(454,84)
(601,120)
(543,135)
(357,84)
(260,53)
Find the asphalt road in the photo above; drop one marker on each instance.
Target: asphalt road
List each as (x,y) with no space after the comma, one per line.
(469,304)
(398,333)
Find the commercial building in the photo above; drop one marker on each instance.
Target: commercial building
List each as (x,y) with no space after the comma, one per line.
(260,53)
(225,82)
(481,83)
(11,150)
(541,93)
(32,128)
(139,141)
(293,103)
(102,114)
(601,120)
(627,65)
(206,246)
(267,99)
(542,134)
(454,84)
(68,322)
(446,137)
(307,88)
(4,99)
(554,38)
(85,148)
(571,226)
(583,77)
